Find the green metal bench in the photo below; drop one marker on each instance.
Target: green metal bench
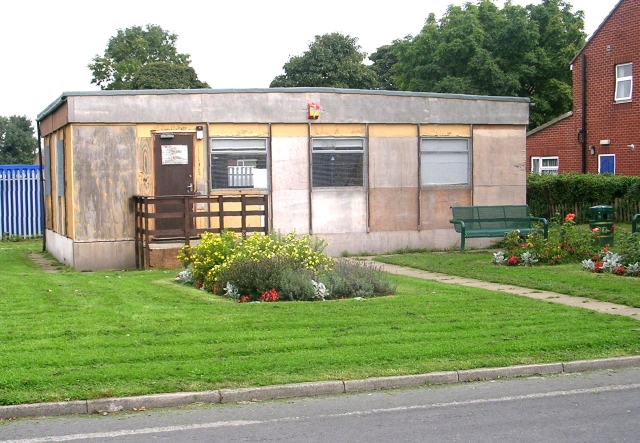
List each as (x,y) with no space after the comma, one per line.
(634,223)
(494,221)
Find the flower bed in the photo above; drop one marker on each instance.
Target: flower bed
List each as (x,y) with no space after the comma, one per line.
(274,267)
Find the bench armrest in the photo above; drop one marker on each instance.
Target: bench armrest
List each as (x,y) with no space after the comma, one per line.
(545,225)
(463,231)
(634,223)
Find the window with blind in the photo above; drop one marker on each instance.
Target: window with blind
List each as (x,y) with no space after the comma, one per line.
(337,162)
(444,161)
(238,163)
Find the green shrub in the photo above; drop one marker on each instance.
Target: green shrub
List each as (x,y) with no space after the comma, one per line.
(351,279)
(575,193)
(629,245)
(296,284)
(252,278)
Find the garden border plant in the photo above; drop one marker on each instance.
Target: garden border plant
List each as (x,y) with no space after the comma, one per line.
(273,267)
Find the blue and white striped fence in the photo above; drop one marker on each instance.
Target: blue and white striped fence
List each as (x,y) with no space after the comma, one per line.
(20,200)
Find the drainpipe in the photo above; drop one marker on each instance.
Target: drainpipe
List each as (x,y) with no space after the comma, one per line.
(583,131)
(42,205)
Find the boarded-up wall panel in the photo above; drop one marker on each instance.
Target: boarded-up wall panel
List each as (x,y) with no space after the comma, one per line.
(105,170)
(393,209)
(339,211)
(436,205)
(499,170)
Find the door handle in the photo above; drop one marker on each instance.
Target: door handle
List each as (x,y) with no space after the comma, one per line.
(190,188)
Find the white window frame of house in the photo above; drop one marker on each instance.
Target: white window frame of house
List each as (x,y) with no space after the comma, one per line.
(248,154)
(600,156)
(342,150)
(445,161)
(623,79)
(544,165)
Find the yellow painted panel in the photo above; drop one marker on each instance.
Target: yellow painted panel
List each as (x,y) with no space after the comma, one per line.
(393,131)
(239,130)
(445,131)
(331,130)
(145,130)
(289,131)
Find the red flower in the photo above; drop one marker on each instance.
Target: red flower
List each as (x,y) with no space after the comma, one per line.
(269,296)
(513,261)
(570,217)
(198,284)
(620,270)
(595,230)
(613,227)
(597,267)
(243,299)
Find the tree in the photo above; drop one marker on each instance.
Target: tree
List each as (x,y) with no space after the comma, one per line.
(164,75)
(17,142)
(130,50)
(481,49)
(333,60)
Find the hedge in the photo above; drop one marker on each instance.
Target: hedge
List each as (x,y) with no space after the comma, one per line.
(576,193)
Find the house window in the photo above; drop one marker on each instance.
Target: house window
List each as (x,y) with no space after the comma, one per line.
(238,163)
(544,165)
(606,164)
(337,162)
(444,161)
(624,82)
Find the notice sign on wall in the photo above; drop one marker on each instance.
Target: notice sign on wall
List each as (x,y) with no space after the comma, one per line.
(175,155)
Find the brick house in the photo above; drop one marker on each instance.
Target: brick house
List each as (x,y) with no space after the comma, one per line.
(602,133)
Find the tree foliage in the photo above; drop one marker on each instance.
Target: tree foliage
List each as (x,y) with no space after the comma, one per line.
(17,142)
(165,75)
(333,60)
(482,49)
(132,49)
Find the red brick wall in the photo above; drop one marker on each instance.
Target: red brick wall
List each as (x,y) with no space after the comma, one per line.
(617,41)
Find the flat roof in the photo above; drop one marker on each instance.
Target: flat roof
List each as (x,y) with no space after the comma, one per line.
(62,98)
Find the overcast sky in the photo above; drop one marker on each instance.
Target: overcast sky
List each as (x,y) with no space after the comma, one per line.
(47,45)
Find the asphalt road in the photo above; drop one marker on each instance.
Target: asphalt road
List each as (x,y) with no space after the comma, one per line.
(602,406)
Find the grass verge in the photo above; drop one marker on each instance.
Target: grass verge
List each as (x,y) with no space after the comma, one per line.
(568,279)
(73,335)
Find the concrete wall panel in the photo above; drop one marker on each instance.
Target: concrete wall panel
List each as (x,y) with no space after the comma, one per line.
(238,130)
(499,155)
(105,176)
(500,195)
(499,165)
(393,162)
(60,247)
(290,211)
(436,206)
(339,211)
(95,256)
(384,242)
(393,209)
(289,163)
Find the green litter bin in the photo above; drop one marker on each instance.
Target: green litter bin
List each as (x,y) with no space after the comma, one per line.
(602,217)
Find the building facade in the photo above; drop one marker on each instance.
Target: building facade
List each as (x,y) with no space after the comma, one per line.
(369,171)
(602,134)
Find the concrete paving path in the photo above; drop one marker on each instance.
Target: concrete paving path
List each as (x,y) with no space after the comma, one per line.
(553,297)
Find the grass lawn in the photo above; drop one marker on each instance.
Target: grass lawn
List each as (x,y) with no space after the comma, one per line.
(74,335)
(568,279)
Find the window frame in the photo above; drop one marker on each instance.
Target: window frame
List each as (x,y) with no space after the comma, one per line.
(254,152)
(426,153)
(620,80)
(600,156)
(542,168)
(315,141)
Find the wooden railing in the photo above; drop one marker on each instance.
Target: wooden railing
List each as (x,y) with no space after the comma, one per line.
(185,217)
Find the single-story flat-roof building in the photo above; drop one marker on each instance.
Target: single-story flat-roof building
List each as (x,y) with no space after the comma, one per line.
(369,171)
